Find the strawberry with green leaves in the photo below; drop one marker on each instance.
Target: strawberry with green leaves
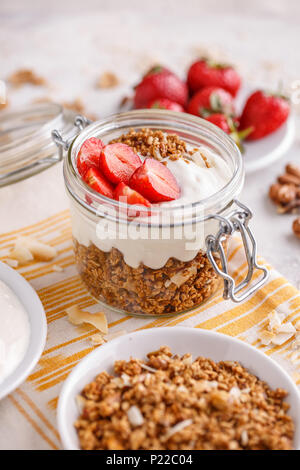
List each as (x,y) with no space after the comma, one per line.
(159,83)
(211,100)
(230,126)
(164,103)
(265,113)
(205,72)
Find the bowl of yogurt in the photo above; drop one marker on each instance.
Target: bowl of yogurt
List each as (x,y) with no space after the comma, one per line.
(23,329)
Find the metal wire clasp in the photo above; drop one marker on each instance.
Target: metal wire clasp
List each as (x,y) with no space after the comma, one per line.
(237,221)
(80,123)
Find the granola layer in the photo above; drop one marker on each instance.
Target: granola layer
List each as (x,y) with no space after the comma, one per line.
(175,403)
(174,288)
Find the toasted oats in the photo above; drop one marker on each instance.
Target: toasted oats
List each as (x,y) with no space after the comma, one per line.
(156,144)
(77,317)
(143,290)
(167,409)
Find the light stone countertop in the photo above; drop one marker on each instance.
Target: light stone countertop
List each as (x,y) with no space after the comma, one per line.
(71,43)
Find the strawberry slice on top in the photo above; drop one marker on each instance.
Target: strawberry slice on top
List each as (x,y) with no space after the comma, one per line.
(97,182)
(125,194)
(89,155)
(118,162)
(155,182)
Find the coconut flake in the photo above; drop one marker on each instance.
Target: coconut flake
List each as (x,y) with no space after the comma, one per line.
(286,328)
(80,402)
(234,394)
(177,428)
(182,276)
(282,338)
(13,263)
(77,316)
(244,437)
(21,254)
(266,337)
(150,369)
(126,379)
(275,320)
(39,250)
(135,416)
(97,339)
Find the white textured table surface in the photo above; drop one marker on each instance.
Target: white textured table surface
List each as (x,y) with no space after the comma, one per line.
(71,43)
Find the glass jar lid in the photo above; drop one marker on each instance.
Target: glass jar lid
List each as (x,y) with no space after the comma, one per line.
(26,145)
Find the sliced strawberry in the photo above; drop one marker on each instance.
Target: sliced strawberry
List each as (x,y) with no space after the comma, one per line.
(118,162)
(89,155)
(125,194)
(97,181)
(155,182)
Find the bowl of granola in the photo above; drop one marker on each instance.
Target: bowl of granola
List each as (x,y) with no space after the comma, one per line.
(178,388)
(153,206)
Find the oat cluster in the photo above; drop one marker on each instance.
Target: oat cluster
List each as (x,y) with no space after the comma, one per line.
(175,403)
(155,144)
(174,288)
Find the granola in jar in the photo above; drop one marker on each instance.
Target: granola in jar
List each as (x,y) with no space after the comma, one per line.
(153,276)
(153,205)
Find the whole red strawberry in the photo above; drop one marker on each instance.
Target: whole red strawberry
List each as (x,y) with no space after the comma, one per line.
(160,82)
(230,126)
(222,121)
(205,72)
(164,103)
(211,100)
(265,113)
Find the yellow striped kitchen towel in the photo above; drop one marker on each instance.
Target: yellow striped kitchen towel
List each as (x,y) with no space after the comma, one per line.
(28,415)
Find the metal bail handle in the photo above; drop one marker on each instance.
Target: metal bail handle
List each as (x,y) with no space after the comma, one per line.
(237,221)
(80,123)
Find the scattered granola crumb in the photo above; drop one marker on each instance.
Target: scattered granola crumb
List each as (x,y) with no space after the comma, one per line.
(174,408)
(4,105)
(78,107)
(26,76)
(107,80)
(76,316)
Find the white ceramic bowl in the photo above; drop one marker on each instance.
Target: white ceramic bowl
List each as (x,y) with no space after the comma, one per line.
(38,327)
(181,340)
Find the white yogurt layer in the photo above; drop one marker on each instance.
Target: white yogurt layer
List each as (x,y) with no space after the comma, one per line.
(195,179)
(197,182)
(14,331)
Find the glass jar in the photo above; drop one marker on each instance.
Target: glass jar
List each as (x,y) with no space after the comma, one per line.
(159,261)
